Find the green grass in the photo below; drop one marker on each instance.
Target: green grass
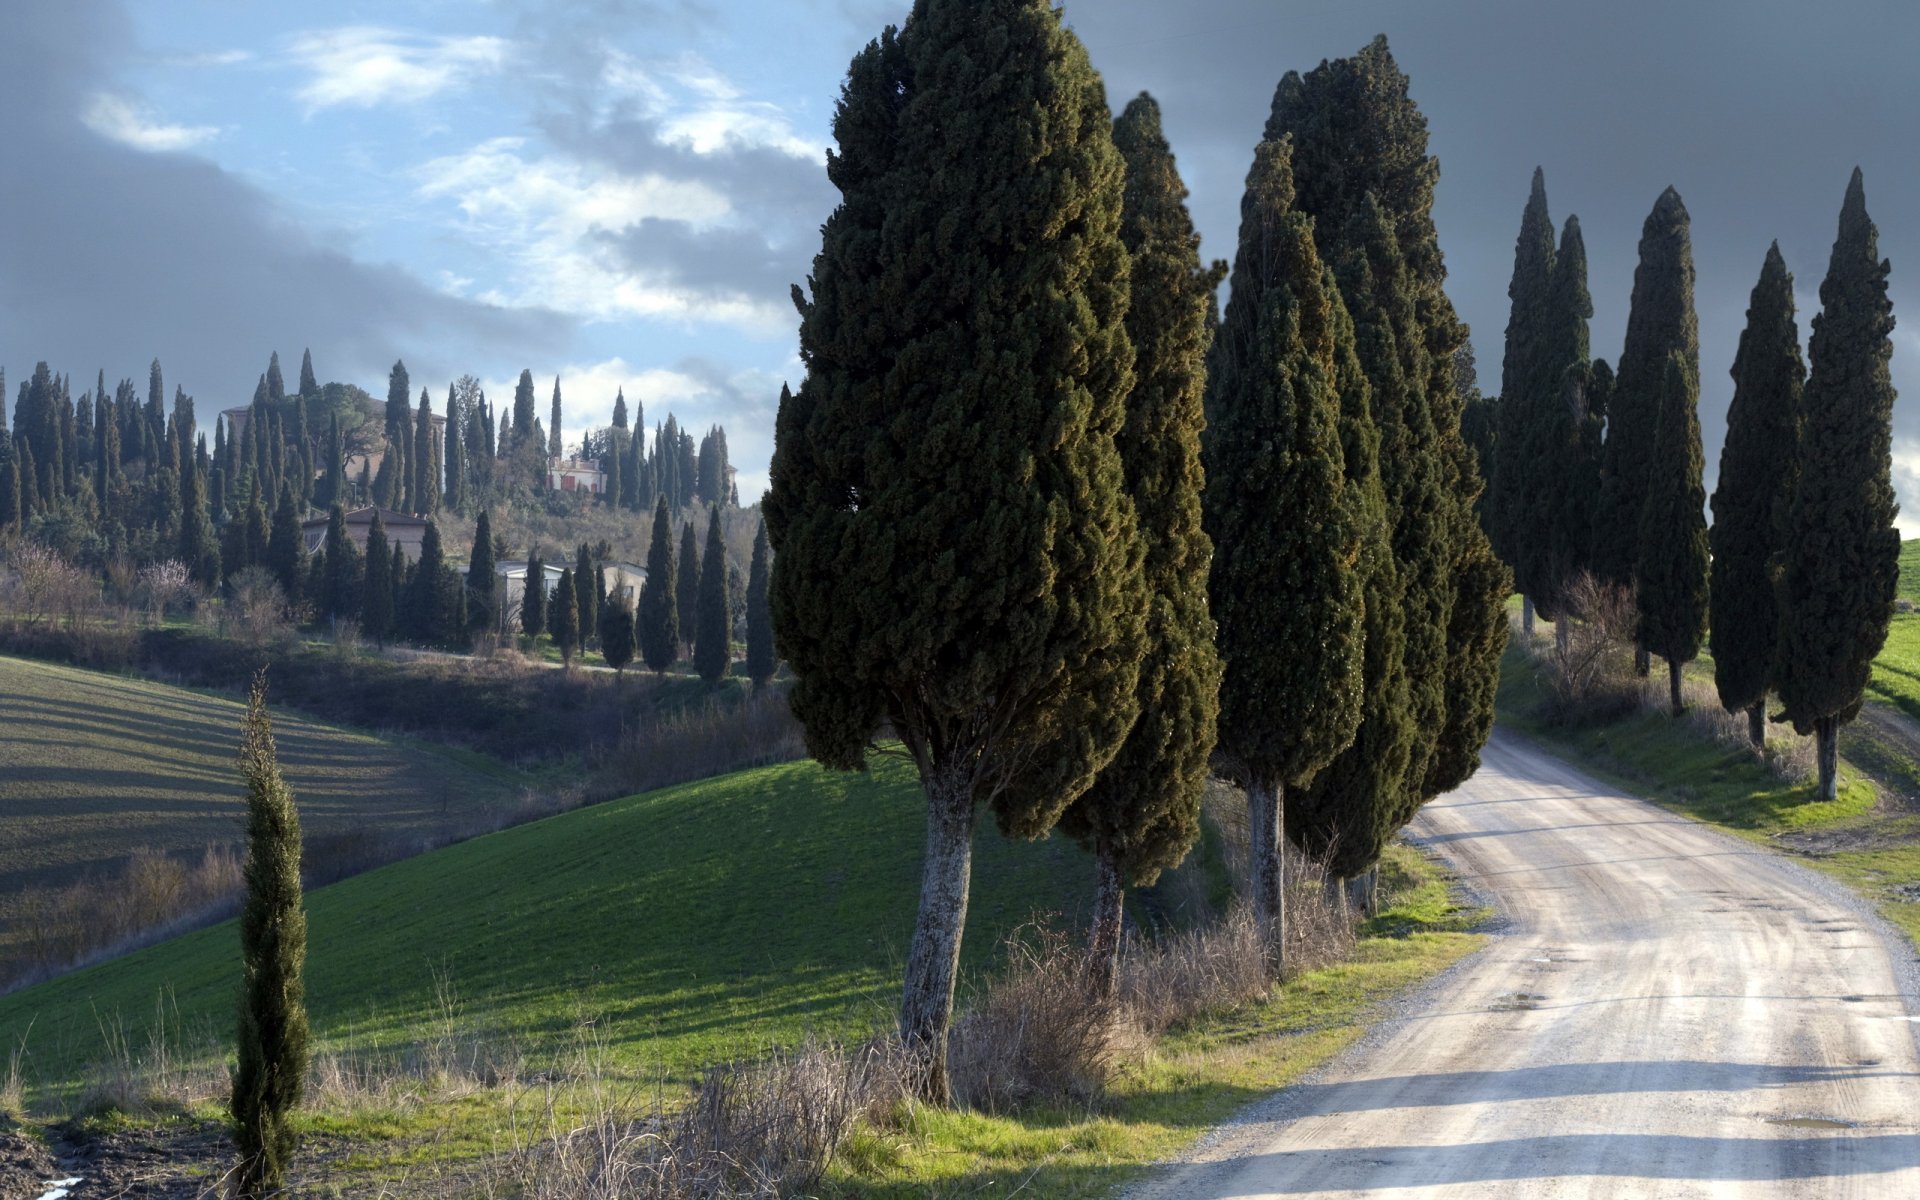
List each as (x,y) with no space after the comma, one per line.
(692,924)
(97,765)
(1196,1078)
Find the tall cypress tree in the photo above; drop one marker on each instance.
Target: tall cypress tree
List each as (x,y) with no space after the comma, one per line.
(453,453)
(1285,586)
(620,408)
(688,599)
(1751,499)
(563,616)
(427,606)
(336,485)
(376,600)
(555,446)
(1143,811)
(1509,479)
(272,1040)
(1671,571)
(340,593)
(287,547)
(585,606)
(425,463)
(399,437)
(309,383)
(1661,321)
(533,598)
(762,662)
(658,618)
(1842,549)
(713,621)
(1357,131)
(480,569)
(198,548)
(972,287)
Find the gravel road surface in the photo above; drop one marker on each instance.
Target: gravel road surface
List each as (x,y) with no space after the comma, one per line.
(1667,1012)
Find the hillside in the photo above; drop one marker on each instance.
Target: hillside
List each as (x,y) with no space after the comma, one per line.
(98,765)
(689,924)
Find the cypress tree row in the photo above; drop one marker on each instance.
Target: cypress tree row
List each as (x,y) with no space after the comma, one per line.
(713,636)
(1842,549)
(1285,588)
(687,601)
(1751,499)
(272,1046)
(658,618)
(1671,572)
(981,597)
(761,660)
(1143,811)
(1660,322)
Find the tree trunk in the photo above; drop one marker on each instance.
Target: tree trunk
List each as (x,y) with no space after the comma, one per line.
(1826,732)
(1265,807)
(933,960)
(1103,947)
(1335,891)
(1526,616)
(1642,660)
(1757,723)
(1674,667)
(1562,635)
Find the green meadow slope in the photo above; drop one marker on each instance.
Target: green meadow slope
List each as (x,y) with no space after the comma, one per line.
(94,766)
(690,925)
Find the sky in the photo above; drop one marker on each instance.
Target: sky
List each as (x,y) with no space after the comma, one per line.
(620,193)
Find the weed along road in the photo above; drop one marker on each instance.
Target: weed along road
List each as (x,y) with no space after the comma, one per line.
(1669,1012)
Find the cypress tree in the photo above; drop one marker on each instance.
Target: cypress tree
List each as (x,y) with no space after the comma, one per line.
(620,408)
(635,490)
(10,511)
(584,605)
(480,570)
(1143,811)
(425,462)
(563,616)
(286,546)
(1750,501)
(611,463)
(309,383)
(659,620)
(971,287)
(616,634)
(398,577)
(1660,322)
(687,602)
(376,601)
(762,662)
(453,454)
(272,1039)
(533,598)
(713,637)
(336,486)
(427,606)
(1842,550)
(339,598)
(1671,568)
(1285,587)
(523,418)
(1357,132)
(198,548)
(276,382)
(555,446)
(1509,479)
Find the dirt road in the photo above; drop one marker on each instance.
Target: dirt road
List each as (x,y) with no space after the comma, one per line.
(1668,1012)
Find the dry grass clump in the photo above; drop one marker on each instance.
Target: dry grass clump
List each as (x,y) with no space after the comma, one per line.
(153,896)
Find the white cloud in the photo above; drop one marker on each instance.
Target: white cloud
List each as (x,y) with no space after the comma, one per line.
(701,109)
(130,124)
(1906,484)
(365,65)
(555,219)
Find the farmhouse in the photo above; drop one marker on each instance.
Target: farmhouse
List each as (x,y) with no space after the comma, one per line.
(402,529)
(575,475)
(510,586)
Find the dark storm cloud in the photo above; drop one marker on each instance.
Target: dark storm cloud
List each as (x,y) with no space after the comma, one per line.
(1756,112)
(112,256)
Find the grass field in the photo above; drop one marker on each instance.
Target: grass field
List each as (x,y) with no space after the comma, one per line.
(691,924)
(93,766)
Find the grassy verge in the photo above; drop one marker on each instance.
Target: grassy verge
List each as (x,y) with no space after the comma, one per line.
(1860,838)
(1192,1080)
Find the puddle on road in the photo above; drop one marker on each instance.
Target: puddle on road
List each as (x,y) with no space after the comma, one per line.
(1517,1002)
(1810,1122)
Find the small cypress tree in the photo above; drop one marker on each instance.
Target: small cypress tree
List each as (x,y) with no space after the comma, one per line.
(533,598)
(762,662)
(376,601)
(687,602)
(1750,501)
(1842,548)
(713,639)
(659,621)
(480,569)
(399,577)
(563,616)
(1671,571)
(1285,587)
(616,634)
(585,605)
(272,1040)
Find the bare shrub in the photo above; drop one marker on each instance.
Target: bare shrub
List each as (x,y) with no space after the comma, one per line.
(169,1071)
(1787,755)
(256,610)
(1217,968)
(700,743)
(1039,1031)
(40,585)
(1590,657)
(13,1084)
(166,588)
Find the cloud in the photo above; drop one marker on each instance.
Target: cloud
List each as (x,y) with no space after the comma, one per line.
(364,66)
(125,122)
(205,270)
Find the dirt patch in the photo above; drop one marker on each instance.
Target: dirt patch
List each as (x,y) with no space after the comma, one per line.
(25,1166)
(179,1161)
